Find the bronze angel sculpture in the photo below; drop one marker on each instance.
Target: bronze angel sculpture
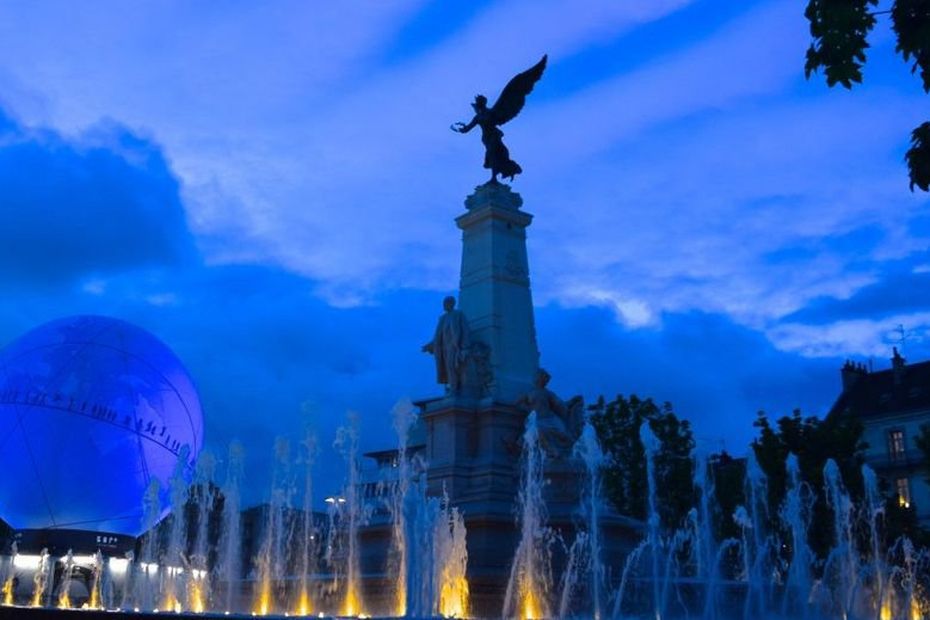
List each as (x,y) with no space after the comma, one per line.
(508,105)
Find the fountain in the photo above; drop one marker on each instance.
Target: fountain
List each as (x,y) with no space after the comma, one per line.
(530,581)
(64,586)
(680,573)
(9,579)
(197,567)
(271,557)
(308,534)
(228,561)
(347,515)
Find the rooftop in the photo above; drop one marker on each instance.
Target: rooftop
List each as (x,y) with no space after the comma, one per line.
(903,388)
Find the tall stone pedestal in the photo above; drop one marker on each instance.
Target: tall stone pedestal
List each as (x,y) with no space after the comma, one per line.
(494,287)
(473,450)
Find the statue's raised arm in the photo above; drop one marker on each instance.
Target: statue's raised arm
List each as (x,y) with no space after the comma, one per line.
(508,105)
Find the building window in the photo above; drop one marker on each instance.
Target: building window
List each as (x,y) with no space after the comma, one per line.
(904,492)
(896,445)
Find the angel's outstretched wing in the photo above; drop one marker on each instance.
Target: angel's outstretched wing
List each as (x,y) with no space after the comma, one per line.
(513,96)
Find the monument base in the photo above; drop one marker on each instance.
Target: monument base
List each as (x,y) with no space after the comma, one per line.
(473,453)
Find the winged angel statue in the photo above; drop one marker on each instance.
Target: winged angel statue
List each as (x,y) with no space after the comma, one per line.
(511,101)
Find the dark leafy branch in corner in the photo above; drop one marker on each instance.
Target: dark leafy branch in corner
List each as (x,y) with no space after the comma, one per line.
(840,30)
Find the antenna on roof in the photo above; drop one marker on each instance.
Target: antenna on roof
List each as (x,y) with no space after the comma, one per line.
(902,338)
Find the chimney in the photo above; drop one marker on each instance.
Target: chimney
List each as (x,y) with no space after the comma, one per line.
(897,366)
(850,373)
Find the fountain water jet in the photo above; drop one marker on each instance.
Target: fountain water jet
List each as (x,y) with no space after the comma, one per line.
(172,576)
(588,450)
(308,538)
(203,496)
(96,583)
(347,512)
(651,448)
(756,566)
(795,517)
(64,588)
(228,560)
(530,576)
(10,579)
(146,571)
(841,560)
(452,554)
(404,416)
(875,511)
(272,552)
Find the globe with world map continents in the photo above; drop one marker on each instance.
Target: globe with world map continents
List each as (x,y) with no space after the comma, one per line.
(92,411)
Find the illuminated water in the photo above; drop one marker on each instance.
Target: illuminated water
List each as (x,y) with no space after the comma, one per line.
(301,568)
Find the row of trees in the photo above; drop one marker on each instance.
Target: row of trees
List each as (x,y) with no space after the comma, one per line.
(811,439)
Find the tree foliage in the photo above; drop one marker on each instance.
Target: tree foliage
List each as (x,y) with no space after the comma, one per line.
(617,424)
(813,441)
(840,30)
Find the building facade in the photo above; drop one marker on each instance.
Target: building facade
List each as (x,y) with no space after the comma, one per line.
(892,404)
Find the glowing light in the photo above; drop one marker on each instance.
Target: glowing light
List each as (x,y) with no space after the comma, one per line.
(26,562)
(196,597)
(64,600)
(8,591)
(531,607)
(263,606)
(94,602)
(304,607)
(885,613)
(453,598)
(118,565)
(352,604)
(84,560)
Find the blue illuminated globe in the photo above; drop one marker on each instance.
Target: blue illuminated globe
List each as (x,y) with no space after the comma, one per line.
(91,410)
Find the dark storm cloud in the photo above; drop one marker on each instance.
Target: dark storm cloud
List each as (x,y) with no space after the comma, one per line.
(104,202)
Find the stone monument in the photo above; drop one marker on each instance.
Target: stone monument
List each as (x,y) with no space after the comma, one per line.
(473,430)
(487,359)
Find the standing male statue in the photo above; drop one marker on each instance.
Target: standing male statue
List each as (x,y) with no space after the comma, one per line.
(450,346)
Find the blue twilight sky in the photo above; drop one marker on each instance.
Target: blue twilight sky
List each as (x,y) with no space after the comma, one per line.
(270,188)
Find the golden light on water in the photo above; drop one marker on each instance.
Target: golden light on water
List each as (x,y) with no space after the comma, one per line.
(94,602)
(64,600)
(352,605)
(885,612)
(304,607)
(8,591)
(263,604)
(531,608)
(400,605)
(453,598)
(196,598)
(170,603)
